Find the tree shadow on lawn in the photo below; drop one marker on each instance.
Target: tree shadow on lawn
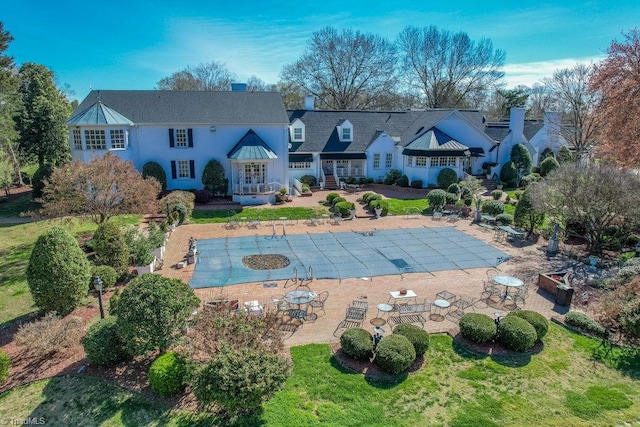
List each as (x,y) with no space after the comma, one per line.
(373,374)
(499,354)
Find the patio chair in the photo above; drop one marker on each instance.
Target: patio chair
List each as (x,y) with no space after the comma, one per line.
(281,305)
(360,304)
(490,290)
(319,301)
(355,313)
(463,303)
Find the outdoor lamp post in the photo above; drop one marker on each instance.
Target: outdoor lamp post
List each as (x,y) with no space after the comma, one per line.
(97,284)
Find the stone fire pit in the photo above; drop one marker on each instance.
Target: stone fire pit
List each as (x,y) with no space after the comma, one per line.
(550,281)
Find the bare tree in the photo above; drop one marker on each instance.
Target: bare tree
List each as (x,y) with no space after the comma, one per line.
(102,188)
(594,195)
(540,100)
(256,84)
(570,88)
(451,70)
(206,76)
(347,70)
(617,79)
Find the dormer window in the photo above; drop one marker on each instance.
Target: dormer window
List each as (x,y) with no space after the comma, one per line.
(297,131)
(345,131)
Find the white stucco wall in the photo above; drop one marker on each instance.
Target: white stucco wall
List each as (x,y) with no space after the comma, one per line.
(382,145)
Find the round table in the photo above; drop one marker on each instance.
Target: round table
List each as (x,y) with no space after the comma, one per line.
(439,304)
(378,321)
(300,297)
(507,282)
(384,308)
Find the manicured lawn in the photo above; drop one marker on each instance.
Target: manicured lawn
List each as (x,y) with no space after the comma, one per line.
(403,206)
(222,216)
(563,385)
(16,242)
(22,203)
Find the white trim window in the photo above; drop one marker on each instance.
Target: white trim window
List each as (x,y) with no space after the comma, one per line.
(388,161)
(376,160)
(421,161)
(184,169)
(443,161)
(181,138)
(299,165)
(346,134)
(96,139)
(255,173)
(77,139)
(117,139)
(298,134)
(409,161)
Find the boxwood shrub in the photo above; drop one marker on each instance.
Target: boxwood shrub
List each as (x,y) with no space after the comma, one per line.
(395,354)
(516,334)
(102,344)
(504,219)
(418,337)
(537,320)
(372,196)
(478,328)
(383,204)
(5,363)
(365,197)
(167,374)
(403,181)
(454,188)
(310,180)
(446,177)
(106,273)
(344,208)
(417,183)
(332,196)
(337,200)
(437,198)
(585,323)
(496,194)
(493,207)
(357,343)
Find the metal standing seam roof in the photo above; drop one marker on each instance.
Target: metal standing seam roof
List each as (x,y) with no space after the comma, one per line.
(434,142)
(98,114)
(251,147)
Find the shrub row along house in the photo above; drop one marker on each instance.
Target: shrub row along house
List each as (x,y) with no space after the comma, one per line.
(263,147)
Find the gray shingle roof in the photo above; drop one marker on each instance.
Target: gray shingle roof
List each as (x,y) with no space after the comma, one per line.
(251,147)
(191,107)
(499,130)
(98,114)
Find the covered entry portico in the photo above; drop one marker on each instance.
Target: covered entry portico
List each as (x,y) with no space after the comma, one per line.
(343,165)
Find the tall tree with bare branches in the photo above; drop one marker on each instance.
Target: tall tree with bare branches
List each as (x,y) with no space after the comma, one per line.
(346,70)
(570,89)
(617,79)
(206,76)
(450,69)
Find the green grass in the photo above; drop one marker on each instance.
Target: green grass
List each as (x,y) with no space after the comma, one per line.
(222,216)
(561,385)
(16,242)
(22,203)
(402,206)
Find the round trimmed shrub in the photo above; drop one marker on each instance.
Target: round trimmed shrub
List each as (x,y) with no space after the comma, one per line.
(418,337)
(357,343)
(5,363)
(110,246)
(214,178)
(417,183)
(365,197)
(437,198)
(392,176)
(337,200)
(58,272)
(395,353)
(332,196)
(509,174)
(382,204)
(493,207)
(547,165)
(532,177)
(344,208)
(154,170)
(516,334)
(106,273)
(167,374)
(102,344)
(372,196)
(454,188)
(477,327)
(203,196)
(403,181)
(504,218)
(496,194)
(537,320)
(450,198)
(446,177)
(310,180)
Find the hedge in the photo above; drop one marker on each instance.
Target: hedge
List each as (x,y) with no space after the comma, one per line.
(357,343)
(478,328)
(395,354)
(418,337)
(332,196)
(516,334)
(585,323)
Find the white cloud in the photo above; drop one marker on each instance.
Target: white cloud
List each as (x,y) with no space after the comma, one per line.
(528,73)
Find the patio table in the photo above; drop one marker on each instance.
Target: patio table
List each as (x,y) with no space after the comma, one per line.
(507,282)
(440,304)
(396,296)
(299,297)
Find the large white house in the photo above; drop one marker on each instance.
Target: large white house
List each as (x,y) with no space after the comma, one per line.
(247,132)
(263,147)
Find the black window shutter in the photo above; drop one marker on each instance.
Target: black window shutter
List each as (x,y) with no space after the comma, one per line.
(173,169)
(192,166)
(171,142)
(190,136)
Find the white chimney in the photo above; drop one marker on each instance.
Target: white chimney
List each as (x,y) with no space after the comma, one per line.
(516,124)
(309,102)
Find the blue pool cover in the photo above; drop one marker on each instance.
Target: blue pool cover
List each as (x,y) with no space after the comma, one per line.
(342,255)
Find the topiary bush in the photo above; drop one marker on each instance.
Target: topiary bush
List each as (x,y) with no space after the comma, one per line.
(214,178)
(110,246)
(418,337)
(344,208)
(58,272)
(357,343)
(382,204)
(154,170)
(446,177)
(437,198)
(492,207)
(372,196)
(392,176)
(364,197)
(504,219)
(547,165)
(310,180)
(416,184)
(496,194)
(106,273)
(516,334)
(455,189)
(5,363)
(585,323)
(37,181)
(478,328)
(509,174)
(332,196)
(168,374)
(395,354)
(537,320)
(403,181)
(531,178)
(450,198)
(102,344)
(338,200)
(203,196)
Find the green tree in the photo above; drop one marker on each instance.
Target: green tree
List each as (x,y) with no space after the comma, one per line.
(110,246)
(509,174)
(58,272)
(38,180)
(151,311)
(214,178)
(521,158)
(547,165)
(41,123)
(564,155)
(525,215)
(154,170)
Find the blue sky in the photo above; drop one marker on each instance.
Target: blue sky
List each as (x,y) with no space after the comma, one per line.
(132,45)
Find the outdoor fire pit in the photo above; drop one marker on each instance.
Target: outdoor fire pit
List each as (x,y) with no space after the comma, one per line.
(550,281)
